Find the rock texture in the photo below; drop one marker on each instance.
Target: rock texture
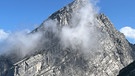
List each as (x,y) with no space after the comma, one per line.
(52,60)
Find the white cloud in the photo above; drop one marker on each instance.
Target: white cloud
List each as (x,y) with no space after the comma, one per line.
(19,42)
(129,32)
(3,34)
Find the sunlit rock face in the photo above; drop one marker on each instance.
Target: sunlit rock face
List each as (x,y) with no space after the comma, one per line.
(103,53)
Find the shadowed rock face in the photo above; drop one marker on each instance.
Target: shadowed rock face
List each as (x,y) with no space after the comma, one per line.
(5,67)
(133,48)
(129,70)
(113,54)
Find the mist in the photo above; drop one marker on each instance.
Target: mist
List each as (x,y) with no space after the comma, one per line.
(81,33)
(20,43)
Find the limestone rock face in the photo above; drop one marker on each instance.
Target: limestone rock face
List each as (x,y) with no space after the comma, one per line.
(114,52)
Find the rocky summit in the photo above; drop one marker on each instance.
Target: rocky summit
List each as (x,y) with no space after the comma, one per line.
(107,53)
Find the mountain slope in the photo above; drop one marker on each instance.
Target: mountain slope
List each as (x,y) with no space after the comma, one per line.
(107,52)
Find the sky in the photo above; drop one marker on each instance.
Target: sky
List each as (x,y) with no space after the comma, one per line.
(122,15)
(16,15)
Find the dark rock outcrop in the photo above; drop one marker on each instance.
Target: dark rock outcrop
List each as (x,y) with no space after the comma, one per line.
(128,70)
(6,67)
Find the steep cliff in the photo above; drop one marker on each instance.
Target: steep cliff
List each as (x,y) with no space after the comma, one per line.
(109,53)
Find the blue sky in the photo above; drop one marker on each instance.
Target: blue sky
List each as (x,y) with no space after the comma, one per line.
(20,14)
(122,15)
(28,14)
(120,12)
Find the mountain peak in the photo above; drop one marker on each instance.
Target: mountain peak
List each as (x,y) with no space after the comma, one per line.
(76,41)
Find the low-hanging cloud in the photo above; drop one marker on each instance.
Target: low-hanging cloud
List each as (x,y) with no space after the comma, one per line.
(3,34)
(20,43)
(80,34)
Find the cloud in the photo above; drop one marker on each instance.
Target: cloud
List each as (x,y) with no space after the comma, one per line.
(3,34)
(129,32)
(81,34)
(20,43)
